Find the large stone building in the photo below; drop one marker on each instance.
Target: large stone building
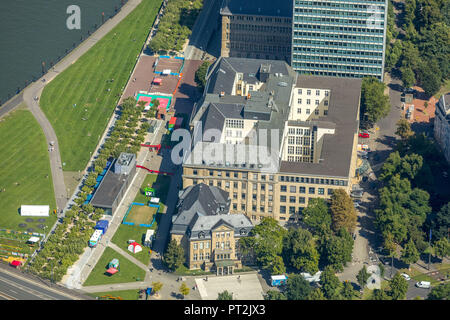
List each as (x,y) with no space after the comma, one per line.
(207,232)
(442,124)
(339,38)
(256,29)
(310,123)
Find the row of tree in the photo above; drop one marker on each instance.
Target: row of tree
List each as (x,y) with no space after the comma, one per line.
(422,55)
(176,25)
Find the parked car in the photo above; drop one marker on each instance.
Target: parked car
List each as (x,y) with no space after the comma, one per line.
(423,284)
(356,194)
(385,260)
(364,135)
(407,277)
(408,115)
(408,90)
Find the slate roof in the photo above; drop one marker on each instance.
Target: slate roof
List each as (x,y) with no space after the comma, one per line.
(199,199)
(202,208)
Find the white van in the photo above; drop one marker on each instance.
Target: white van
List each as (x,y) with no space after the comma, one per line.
(423,284)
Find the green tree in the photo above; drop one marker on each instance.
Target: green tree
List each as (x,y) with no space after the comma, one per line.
(401,208)
(343,212)
(317,216)
(174,255)
(336,250)
(440,222)
(440,292)
(297,288)
(362,277)
(266,239)
(410,253)
(225,295)
(348,292)
(316,294)
(380,294)
(276,265)
(442,248)
(404,129)
(200,75)
(374,103)
(274,295)
(184,289)
(408,77)
(299,249)
(156,287)
(398,286)
(330,284)
(430,77)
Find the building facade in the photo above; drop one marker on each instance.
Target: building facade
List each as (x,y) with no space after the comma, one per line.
(339,38)
(442,124)
(256,29)
(207,232)
(311,146)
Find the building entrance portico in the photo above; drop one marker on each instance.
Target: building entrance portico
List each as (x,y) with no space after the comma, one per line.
(224,268)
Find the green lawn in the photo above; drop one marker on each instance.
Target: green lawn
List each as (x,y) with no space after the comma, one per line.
(161,185)
(86,84)
(444,89)
(24,161)
(125,233)
(129,272)
(124,294)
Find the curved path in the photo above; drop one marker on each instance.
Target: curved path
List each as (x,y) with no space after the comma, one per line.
(33,92)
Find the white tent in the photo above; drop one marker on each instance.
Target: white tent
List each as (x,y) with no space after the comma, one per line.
(134,247)
(33,239)
(36,211)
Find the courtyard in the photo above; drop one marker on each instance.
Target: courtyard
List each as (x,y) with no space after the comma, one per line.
(243,287)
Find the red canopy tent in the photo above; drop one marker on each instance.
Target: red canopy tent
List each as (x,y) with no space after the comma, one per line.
(112,271)
(16,263)
(157,81)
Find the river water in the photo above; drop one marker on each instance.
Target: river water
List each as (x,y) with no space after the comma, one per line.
(36,31)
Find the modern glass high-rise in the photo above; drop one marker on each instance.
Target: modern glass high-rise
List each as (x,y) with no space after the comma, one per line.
(344,38)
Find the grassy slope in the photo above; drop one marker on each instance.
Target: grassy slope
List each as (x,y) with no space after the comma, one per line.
(129,272)
(24,160)
(86,82)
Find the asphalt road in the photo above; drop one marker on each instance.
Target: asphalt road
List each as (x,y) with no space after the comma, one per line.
(17,286)
(204,28)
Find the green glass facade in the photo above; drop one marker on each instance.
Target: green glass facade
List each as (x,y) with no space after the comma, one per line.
(339,38)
